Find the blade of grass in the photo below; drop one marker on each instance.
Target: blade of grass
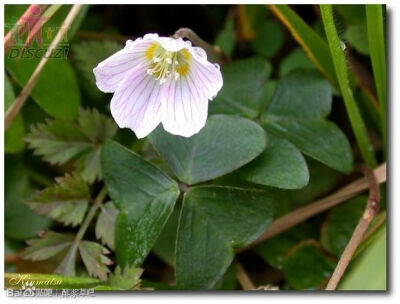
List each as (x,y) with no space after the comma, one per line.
(312,43)
(316,48)
(376,41)
(20,100)
(340,64)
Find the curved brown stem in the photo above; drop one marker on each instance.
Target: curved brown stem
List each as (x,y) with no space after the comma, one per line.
(16,106)
(371,210)
(214,53)
(297,216)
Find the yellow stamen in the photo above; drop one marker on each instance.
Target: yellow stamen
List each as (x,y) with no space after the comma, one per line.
(150,51)
(164,64)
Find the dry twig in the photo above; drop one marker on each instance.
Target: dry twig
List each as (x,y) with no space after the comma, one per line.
(214,53)
(293,218)
(370,211)
(243,278)
(20,100)
(22,24)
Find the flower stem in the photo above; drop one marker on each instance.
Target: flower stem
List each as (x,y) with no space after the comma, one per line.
(340,63)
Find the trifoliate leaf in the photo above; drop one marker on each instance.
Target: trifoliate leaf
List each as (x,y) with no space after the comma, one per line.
(93,256)
(105,225)
(145,196)
(129,278)
(281,165)
(298,112)
(213,221)
(60,141)
(237,96)
(164,247)
(193,163)
(48,246)
(66,201)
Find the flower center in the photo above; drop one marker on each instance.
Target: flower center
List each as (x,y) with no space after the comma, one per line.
(165,64)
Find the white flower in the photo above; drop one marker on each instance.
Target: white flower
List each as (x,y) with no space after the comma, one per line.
(159,79)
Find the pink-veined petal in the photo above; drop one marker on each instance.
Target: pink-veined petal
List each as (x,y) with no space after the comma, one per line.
(111,72)
(184,107)
(207,77)
(136,104)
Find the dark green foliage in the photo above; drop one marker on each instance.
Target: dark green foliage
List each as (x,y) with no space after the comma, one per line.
(66,201)
(20,222)
(59,141)
(223,145)
(208,231)
(269,39)
(87,54)
(307,267)
(298,112)
(145,197)
(13,138)
(340,224)
(281,165)
(56,91)
(236,96)
(181,211)
(226,38)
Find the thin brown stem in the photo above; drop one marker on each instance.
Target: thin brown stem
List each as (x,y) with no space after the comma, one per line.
(22,25)
(243,278)
(370,211)
(14,109)
(293,218)
(380,219)
(11,258)
(214,53)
